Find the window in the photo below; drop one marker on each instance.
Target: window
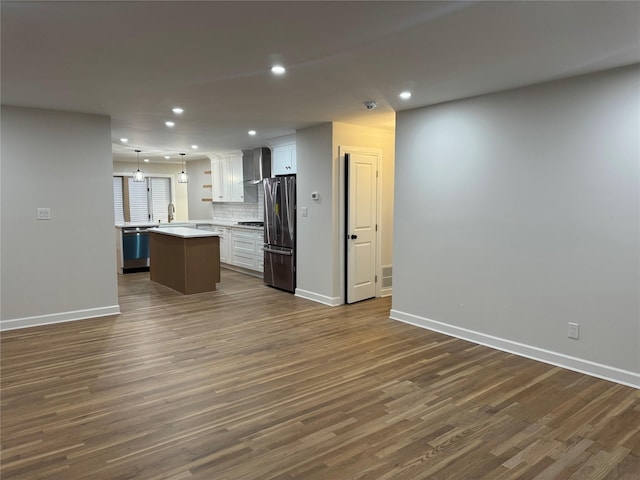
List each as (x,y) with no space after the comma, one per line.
(138,201)
(141,201)
(118,207)
(160,195)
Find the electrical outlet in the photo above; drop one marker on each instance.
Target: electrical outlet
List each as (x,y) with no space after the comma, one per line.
(574,330)
(44,213)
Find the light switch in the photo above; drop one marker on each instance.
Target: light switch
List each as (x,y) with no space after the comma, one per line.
(305,211)
(44,214)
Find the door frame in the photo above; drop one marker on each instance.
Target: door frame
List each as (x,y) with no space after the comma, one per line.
(342,218)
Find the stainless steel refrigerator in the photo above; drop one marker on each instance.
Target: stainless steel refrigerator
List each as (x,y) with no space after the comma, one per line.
(280,232)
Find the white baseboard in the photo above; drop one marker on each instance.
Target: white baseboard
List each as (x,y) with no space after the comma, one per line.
(58,317)
(606,372)
(316,297)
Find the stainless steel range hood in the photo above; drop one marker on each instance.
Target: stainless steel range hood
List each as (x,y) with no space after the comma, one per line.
(256,165)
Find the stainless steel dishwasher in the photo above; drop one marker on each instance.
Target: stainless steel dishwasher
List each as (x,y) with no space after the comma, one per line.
(135,248)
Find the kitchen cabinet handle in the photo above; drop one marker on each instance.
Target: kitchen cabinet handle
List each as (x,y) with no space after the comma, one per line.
(279,252)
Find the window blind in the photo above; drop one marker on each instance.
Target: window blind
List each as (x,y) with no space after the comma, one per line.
(118,204)
(160,198)
(138,201)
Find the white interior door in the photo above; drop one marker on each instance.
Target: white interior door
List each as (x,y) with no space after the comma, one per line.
(362,171)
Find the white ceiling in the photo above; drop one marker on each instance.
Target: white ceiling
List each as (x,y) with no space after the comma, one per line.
(134,61)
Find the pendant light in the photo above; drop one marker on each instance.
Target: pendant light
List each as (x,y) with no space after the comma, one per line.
(182,176)
(138,176)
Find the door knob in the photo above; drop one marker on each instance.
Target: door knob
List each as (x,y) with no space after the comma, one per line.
(353,237)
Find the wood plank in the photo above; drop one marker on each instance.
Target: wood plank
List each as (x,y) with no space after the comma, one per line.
(248,382)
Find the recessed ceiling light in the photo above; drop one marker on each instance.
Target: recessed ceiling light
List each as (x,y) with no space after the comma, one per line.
(251,132)
(167,157)
(146,160)
(169,123)
(405,95)
(195,147)
(124,140)
(177,110)
(278,70)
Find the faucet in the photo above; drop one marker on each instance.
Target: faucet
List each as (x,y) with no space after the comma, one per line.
(171,212)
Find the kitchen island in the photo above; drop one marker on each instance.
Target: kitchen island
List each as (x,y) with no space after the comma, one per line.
(185,259)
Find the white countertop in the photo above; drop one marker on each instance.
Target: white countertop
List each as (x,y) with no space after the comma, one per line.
(189,224)
(247,227)
(184,232)
(135,224)
(151,224)
(226,223)
(203,221)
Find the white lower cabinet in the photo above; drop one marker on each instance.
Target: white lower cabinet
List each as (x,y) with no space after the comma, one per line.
(242,248)
(239,247)
(224,245)
(243,245)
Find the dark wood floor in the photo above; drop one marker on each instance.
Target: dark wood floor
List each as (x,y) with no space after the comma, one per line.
(251,383)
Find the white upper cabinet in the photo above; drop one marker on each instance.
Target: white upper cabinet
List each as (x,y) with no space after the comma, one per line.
(236,187)
(226,179)
(218,182)
(284,159)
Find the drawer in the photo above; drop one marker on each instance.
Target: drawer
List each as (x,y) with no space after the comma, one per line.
(246,249)
(241,244)
(246,261)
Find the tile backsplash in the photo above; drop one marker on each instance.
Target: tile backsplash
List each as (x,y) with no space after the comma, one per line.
(239,211)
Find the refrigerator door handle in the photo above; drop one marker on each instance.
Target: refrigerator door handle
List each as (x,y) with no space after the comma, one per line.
(278,252)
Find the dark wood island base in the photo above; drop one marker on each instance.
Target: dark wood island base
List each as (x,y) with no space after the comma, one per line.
(185,259)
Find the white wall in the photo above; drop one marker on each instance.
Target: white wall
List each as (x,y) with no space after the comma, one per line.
(178,190)
(64,268)
(199,210)
(315,249)
(518,212)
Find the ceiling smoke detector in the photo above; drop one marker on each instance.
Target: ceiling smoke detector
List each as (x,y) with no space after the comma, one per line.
(370,105)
